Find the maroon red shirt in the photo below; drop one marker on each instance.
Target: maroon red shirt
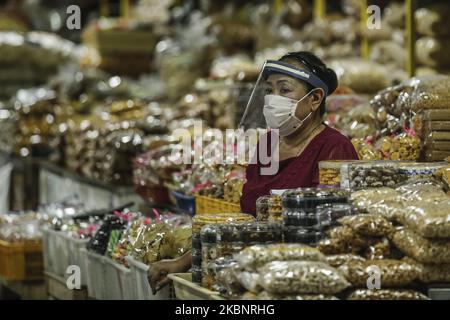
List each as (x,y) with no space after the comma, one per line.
(297,172)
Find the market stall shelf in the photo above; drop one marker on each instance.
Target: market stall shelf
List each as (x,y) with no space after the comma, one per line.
(56,183)
(185,289)
(96,280)
(28,290)
(57,289)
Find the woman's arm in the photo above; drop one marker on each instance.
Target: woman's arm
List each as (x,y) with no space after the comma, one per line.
(158,271)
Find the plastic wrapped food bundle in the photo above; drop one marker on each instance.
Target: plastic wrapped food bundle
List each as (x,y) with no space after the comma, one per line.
(386,51)
(430,220)
(351,71)
(422,249)
(328,214)
(386,294)
(214,268)
(394,273)
(348,235)
(251,258)
(418,192)
(344,240)
(21,227)
(391,210)
(404,146)
(424,127)
(368,224)
(431,273)
(313,277)
(379,250)
(432,20)
(367,198)
(338,260)
(433,52)
(365,150)
(161,241)
(269,296)
(431,92)
(249,280)
(262,208)
(227,282)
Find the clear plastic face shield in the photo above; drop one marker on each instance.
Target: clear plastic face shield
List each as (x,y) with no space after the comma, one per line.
(268,108)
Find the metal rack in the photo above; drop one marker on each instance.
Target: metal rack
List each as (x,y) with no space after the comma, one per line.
(124,8)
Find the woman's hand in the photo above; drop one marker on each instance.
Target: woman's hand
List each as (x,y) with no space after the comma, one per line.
(158,271)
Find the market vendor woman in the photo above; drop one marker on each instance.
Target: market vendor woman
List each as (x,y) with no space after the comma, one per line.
(288,97)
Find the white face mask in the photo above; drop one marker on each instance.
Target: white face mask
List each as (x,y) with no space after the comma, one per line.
(280,111)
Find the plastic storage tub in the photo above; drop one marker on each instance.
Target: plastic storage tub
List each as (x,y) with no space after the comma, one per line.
(96,275)
(118,284)
(56,252)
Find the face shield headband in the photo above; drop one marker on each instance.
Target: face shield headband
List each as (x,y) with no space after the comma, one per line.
(273,66)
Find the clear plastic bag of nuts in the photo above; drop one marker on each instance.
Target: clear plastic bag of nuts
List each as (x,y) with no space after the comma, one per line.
(431,92)
(254,257)
(430,220)
(436,251)
(337,260)
(291,277)
(431,273)
(368,224)
(394,273)
(386,294)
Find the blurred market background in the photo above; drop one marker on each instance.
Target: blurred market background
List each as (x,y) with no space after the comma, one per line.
(86,115)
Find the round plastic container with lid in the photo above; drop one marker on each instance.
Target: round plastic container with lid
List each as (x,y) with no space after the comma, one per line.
(308,199)
(302,235)
(332,212)
(196,261)
(227,249)
(300,218)
(209,234)
(196,241)
(230,233)
(197,276)
(262,233)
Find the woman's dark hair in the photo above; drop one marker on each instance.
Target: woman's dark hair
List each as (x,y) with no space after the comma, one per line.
(316,66)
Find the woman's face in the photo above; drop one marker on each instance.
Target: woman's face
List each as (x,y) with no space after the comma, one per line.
(286,86)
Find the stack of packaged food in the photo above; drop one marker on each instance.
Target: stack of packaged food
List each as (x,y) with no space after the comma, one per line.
(209,237)
(434,43)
